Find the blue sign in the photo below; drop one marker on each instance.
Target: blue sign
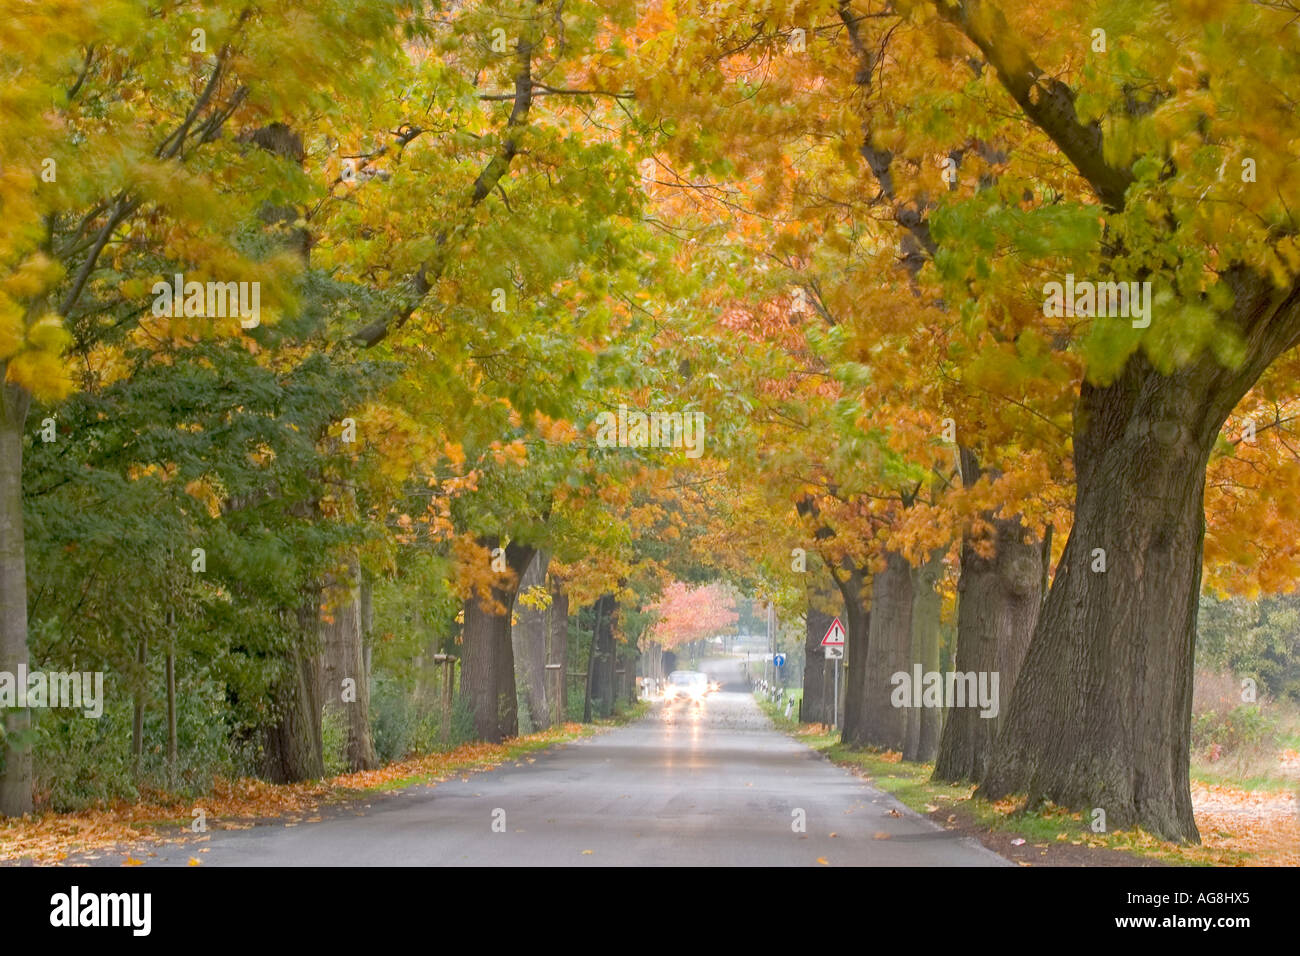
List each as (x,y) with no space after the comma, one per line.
(779,660)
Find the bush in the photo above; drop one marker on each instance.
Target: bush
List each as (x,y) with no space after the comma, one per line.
(1245,728)
(392,720)
(82,762)
(1222,724)
(402,727)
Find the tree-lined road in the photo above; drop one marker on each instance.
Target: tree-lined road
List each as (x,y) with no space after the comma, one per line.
(710,784)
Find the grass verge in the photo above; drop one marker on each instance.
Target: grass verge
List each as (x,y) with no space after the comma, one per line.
(1050,836)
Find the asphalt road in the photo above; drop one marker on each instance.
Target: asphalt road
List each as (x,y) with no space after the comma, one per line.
(708,784)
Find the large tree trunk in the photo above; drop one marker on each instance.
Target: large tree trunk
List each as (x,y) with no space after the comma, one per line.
(528,638)
(16,776)
(603,658)
(557,651)
(889,648)
(343,658)
(815,705)
(998,599)
(292,745)
(488,664)
(1102,710)
(923,723)
(854,588)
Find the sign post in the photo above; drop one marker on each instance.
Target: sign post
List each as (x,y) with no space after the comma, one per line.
(833,643)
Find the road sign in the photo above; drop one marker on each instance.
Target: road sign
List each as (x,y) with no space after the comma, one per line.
(834,635)
(834,652)
(779,660)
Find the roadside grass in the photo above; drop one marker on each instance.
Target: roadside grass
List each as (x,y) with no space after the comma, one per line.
(1256,766)
(954,805)
(1267,782)
(52,837)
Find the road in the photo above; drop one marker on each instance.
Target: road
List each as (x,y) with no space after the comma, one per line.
(691,784)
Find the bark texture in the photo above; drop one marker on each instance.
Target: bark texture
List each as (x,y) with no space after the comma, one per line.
(889,648)
(1102,711)
(344,658)
(923,723)
(16,776)
(604,657)
(855,589)
(998,598)
(557,651)
(487,664)
(528,637)
(292,749)
(823,604)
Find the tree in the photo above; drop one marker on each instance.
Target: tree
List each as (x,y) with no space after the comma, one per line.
(132,146)
(1106,169)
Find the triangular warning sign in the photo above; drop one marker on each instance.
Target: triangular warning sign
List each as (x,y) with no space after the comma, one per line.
(834,635)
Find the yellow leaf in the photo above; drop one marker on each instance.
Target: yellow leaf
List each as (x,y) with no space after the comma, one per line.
(40,373)
(48,333)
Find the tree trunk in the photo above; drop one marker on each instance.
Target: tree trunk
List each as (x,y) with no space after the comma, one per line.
(16,776)
(171,711)
(528,638)
(889,648)
(137,713)
(292,750)
(612,650)
(1102,710)
(603,689)
(591,662)
(923,723)
(488,664)
(854,588)
(998,599)
(343,659)
(815,705)
(172,748)
(558,645)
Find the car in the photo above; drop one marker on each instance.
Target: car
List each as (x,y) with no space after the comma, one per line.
(688,685)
